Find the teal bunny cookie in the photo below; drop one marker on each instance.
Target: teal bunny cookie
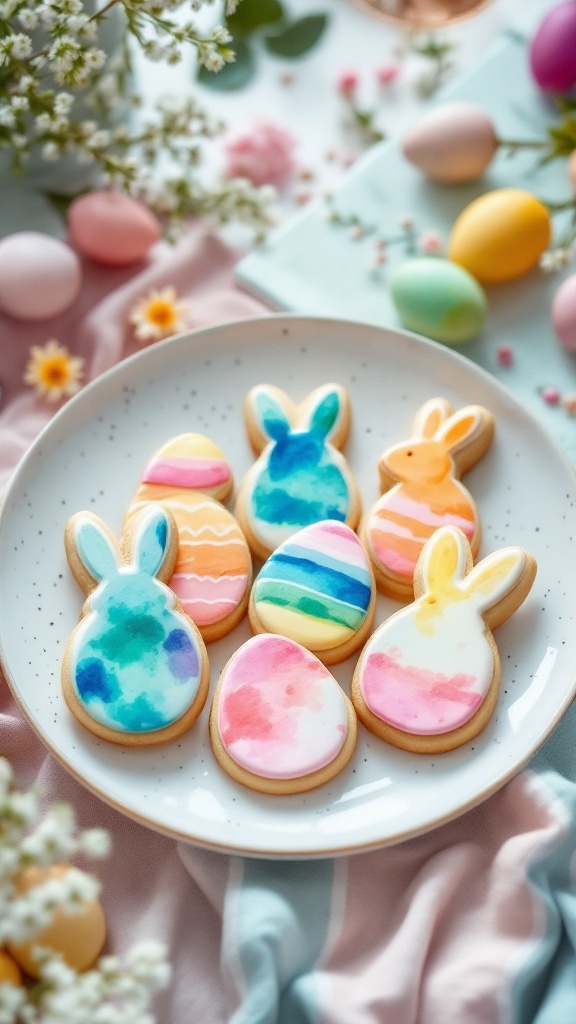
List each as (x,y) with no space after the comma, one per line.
(135,669)
(300,477)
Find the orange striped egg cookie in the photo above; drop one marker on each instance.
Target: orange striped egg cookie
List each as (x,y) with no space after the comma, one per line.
(213,571)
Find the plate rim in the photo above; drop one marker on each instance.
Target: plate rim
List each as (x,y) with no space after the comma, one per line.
(193,336)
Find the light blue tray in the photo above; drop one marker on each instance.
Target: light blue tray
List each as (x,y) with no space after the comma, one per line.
(312,266)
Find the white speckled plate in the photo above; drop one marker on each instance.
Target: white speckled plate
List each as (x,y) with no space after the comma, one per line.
(90,457)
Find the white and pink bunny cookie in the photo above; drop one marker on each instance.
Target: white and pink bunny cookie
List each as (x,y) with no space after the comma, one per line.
(300,477)
(279,722)
(190,476)
(428,678)
(135,670)
(422,491)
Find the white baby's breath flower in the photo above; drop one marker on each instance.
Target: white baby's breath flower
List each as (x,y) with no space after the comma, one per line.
(95,842)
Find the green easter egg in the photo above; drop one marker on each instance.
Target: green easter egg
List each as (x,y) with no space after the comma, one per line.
(439,299)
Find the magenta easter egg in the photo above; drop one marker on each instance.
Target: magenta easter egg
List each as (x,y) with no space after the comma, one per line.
(39,276)
(112,229)
(553,49)
(564,313)
(453,143)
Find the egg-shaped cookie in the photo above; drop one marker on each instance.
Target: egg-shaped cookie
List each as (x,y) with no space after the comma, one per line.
(279,722)
(317,588)
(213,571)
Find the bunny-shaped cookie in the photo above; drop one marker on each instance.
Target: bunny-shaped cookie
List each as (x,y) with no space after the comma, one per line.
(428,493)
(300,477)
(428,678)
(135,670)
(213,570)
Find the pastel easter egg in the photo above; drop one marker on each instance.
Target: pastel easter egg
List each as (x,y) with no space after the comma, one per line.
(316,588)
(40,276)
(213,569)
(453,143)
(501,235)
(439,299)
(78,938)
(564,313)
(112,229)
(278,713)
(9,970)
(553,49)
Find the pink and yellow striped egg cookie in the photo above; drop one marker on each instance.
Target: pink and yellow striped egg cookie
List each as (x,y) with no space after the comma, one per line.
(214,569)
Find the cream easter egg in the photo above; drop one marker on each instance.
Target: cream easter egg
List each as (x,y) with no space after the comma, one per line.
(317,588)
(439,299)
(78,938)
(564,313)
(501,235)
(214,569)
(279,722)
(40,276)
(453,143)
(112,229)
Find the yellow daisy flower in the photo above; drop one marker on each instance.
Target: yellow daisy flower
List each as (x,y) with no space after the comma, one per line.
(53,371)
(158,315)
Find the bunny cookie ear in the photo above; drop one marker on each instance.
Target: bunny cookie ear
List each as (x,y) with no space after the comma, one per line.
(326,411)
(430,418)
(152,545)
(270,413)
(92,551)
(467,434)
(500,582)
(443,562)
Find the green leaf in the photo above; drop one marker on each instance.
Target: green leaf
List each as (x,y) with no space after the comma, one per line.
(232,76)
(297,37)
(251,15)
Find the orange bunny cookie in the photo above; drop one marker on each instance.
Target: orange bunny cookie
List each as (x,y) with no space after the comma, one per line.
(427,492)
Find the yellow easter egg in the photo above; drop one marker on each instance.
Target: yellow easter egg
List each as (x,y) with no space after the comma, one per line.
(9,970)
(78,938)
(501,235)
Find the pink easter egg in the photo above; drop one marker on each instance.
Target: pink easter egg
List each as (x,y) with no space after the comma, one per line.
(553,49)
(39,276)
(564,313)
(112,229)
(453,143)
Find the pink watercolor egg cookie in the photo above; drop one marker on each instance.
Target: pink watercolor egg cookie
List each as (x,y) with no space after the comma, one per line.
(428,678)
(213,570)
(300,476)
(279,722)
(422,491)
(318,589)
(135,670)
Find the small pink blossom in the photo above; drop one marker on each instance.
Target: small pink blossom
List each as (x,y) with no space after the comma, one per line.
(264,155)
(430,243)
(303,196)
(347,83)
(356,232)
(551,395)
(387,74)
(505,355)
(380,258)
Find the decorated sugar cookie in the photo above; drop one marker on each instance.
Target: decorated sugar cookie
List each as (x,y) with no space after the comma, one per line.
(317,588)
(135,671)
(423,492)
(428,678)
(279,722)
(213,569)
(300,477)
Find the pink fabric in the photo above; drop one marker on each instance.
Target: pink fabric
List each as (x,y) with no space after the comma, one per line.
(147,892)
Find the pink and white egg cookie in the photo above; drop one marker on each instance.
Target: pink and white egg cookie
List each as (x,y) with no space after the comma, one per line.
(279,722)
(428,678)
(214,569)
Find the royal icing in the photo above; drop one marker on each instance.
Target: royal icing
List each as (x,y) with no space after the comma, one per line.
(134,661)
(428,668)
(427,496)
(300,478)
(213,566)
(281,714)
(315,588)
